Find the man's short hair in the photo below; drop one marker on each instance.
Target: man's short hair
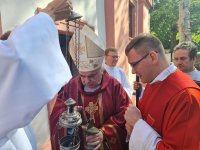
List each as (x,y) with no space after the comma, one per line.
(145,42)
(110,49)
(189,46)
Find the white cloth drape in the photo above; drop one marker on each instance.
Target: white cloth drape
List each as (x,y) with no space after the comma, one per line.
(32,71)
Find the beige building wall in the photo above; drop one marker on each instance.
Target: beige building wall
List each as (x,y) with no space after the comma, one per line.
(15,12)
(117,26)
(146,25)
(117,31)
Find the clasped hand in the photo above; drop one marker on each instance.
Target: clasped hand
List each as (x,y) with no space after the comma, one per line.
(132,115)
(95,140)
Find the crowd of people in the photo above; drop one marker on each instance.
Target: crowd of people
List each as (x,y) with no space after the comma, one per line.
(32,74)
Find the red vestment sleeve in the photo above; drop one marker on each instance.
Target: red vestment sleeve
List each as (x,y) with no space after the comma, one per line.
(114,128)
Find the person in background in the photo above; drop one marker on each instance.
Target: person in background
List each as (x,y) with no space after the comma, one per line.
(111,59)
(140,87)
(102,98)
(32,71)
(169,110)
(185,55)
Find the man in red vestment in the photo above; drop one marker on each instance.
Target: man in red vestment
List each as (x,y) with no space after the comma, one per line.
(102,97)
(169,110)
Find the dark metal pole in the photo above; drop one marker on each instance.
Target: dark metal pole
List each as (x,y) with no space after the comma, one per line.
(137,92)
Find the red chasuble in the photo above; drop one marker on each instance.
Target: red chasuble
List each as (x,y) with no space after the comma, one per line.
(106,107)
(172,108)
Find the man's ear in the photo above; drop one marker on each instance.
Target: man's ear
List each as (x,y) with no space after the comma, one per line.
(153,56)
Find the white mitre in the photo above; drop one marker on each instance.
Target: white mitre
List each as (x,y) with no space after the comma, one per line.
(91,50)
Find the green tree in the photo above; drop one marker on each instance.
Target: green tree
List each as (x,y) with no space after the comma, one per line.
(164,21)
(184,21)
(195,21)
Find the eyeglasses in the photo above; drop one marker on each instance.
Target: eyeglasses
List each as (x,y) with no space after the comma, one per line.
(137,62)
(114,56)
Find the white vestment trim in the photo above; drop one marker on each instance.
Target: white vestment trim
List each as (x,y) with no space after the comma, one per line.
(143,137)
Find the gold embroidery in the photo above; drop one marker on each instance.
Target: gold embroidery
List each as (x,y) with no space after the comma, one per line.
(91,109)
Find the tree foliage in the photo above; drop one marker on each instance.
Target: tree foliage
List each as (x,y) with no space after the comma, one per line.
(164,19)
(195,21)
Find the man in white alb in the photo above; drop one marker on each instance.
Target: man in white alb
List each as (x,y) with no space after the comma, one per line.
(111,59)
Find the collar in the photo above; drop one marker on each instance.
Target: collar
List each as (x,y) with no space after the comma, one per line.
(87,89)
(108,67)
(104,84)
(165,73)
(192,71)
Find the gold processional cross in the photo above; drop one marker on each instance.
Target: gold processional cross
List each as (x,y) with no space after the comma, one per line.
(91,109)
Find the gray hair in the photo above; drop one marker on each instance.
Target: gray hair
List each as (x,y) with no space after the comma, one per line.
(189,46)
